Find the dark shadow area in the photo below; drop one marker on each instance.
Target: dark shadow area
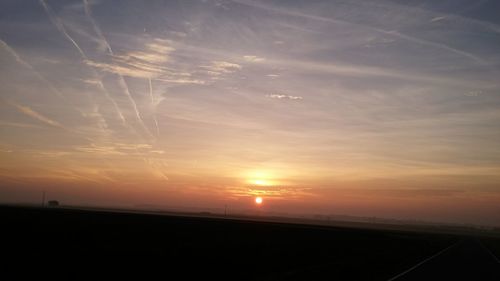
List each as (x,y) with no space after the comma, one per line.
(93,243)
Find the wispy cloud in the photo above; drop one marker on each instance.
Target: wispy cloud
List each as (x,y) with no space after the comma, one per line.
(460,19)
(221,67)
(151,62)
(117,69)
(28,111)
(375,71)
(182,81)
(147,63)
(117,148)
(437,19)
(253,58)
(398,34)
(280,96)
(158,166)
(434,44)
(275,192)
(18,124)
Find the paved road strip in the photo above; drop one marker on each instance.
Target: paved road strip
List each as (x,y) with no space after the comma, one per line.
(488,250)
(422,262)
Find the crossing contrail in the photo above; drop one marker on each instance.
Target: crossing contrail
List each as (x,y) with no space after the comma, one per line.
(60,27)
(122,81)
(115,105)
(98,31)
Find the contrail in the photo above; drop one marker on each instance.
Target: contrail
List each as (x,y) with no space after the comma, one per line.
(157,167)
(125,87)
(102,124)
(39,76)
(28,111)
(30,67)
(37,116)
(123,83)
(154,106)
(78,176)
(151,91)
(59,25)
(108,96)
(337,21)
(432,44)
(102,120)
(16,56)
(88,13)
(440,16)
(156,124)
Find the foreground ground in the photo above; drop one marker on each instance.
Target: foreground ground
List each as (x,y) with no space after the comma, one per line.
(92,243)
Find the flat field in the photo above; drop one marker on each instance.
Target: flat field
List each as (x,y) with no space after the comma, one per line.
(90,243)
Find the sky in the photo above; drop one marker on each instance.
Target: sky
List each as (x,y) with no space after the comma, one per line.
(366,108)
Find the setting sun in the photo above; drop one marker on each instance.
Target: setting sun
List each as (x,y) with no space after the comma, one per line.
(258,200)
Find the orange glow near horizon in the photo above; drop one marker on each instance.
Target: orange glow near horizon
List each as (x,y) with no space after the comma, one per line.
(261,178)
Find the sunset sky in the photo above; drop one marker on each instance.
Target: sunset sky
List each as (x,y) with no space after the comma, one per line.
(365,108)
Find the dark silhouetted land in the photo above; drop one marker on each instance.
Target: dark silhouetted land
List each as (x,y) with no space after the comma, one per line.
(85,243)
(467,259)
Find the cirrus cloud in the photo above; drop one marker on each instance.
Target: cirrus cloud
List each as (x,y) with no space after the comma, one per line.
(280,96)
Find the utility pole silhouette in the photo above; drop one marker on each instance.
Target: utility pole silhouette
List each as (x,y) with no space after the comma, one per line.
(225,210)
(43,199)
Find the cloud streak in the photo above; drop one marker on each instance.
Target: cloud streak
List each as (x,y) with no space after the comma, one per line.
(28,111)
(253,58)
(97,30)
(434,44)
(373,71)
(122,82)
(393,33)
(217,68)
(30,67)
(279,96)
(146,63)
(59,25)
(153,104)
